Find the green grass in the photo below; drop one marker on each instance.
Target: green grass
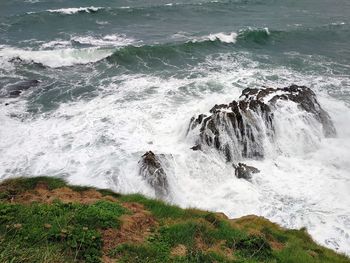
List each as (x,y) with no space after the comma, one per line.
(151,253)
(71,232)
(71,229)
(12,187)
(160,209)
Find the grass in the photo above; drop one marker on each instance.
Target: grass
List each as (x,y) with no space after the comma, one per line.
(61,232)
(71,229)
(74,232)
(161,210)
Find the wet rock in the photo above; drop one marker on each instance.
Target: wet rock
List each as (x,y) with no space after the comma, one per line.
(196,148)
(304,97)
(239,129)
(151,169)
(245,171)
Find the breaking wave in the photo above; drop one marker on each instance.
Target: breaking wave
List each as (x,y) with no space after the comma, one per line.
(75,10)
(55,58)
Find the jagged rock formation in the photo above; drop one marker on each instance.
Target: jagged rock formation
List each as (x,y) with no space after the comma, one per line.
(239,129)
(245,171)
(151,169)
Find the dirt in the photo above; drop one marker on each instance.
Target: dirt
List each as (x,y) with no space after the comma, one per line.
(276,245)
(42,194)
(218,247)
(179,251)
(134,229)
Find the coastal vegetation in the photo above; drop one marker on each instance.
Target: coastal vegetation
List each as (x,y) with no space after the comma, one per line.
(43,219)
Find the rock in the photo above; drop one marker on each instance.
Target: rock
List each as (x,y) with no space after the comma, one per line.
(196,148)
(151,169)
(245,171)
(239,129)
(303,96)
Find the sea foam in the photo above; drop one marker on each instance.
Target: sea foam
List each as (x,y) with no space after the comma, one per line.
(74,10)
(58,57)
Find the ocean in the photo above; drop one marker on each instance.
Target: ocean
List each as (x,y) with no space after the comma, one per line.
(102,82)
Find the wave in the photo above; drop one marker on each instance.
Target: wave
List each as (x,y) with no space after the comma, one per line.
(257,35)
(116,40)
(56,44)
(55,58)
(64,54)
(145,8)
(212,42)
(123,50)
(74,10)
(223,37)
(111,40)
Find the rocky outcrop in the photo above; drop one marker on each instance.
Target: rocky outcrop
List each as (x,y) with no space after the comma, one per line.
(245,171)
(304,97)
(152,171)
(239,129)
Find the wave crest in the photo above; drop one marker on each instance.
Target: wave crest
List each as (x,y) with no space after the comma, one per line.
(74,10)
(56,58)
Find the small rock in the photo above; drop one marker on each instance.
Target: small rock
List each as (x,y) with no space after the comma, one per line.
(152,170)
(196,147)
(245,171)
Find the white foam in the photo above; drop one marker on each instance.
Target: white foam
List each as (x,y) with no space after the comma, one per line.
(107,40)
(267,30)
(223,37)
(102,23)
(57,58)
(56,44)
(74,10)
(338,23)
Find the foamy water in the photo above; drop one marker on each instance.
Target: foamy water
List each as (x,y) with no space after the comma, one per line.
(74,10)
(58,57)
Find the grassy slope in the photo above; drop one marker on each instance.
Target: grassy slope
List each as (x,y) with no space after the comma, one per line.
(131,228)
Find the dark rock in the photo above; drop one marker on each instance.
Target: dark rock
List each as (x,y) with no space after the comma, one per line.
(238,129)
(151,169)
(245,171)
(304,97)
(196,148)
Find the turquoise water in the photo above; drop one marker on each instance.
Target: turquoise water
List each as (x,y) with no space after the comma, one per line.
(120,78)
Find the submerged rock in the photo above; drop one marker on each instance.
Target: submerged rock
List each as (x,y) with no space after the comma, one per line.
(240,128)
(245,171)
(16,89)
(151,169)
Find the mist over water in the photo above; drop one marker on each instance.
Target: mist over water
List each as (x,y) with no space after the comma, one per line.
(117,80)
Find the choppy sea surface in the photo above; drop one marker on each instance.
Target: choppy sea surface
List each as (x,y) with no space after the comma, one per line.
(120,78)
